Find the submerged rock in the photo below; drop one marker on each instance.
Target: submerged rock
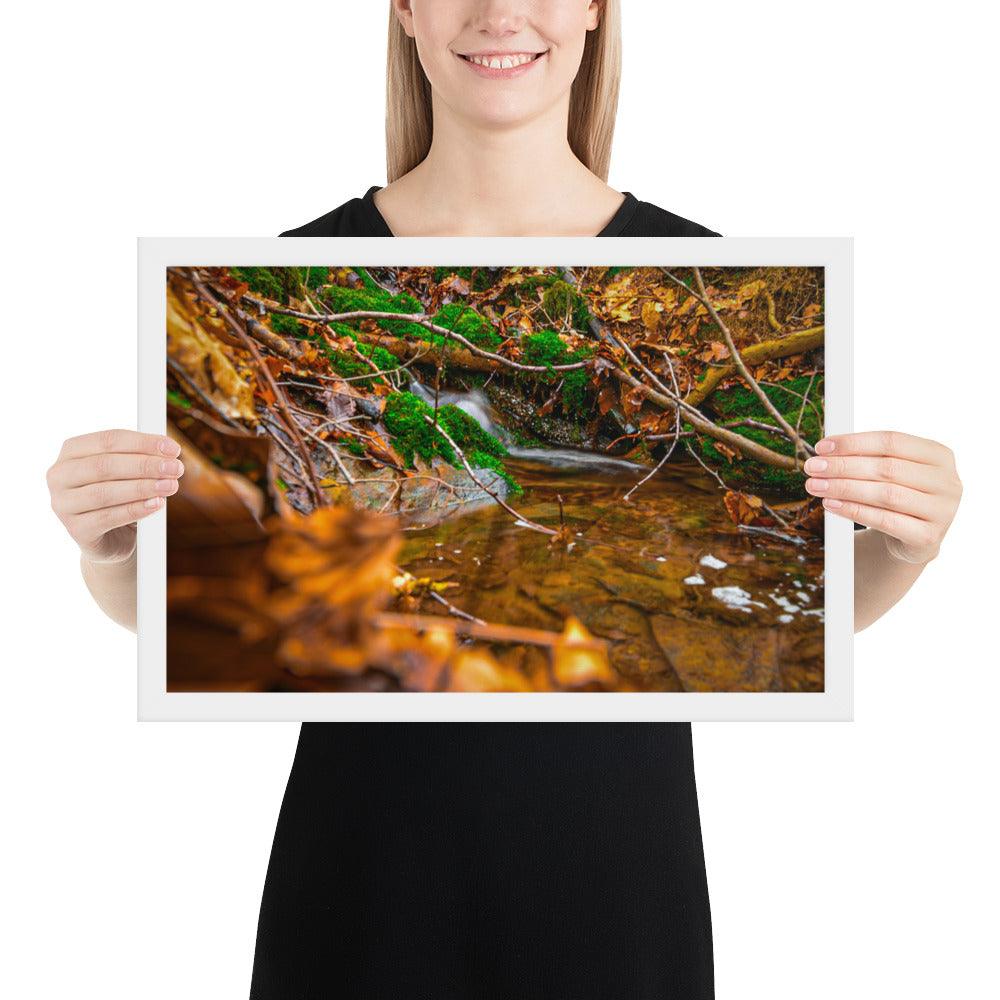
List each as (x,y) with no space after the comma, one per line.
(428,497)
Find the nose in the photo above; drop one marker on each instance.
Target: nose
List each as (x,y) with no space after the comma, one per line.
(498,18)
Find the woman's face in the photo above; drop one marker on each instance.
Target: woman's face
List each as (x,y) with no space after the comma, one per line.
(499,62)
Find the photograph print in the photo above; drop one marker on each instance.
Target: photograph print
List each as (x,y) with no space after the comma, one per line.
(495,479)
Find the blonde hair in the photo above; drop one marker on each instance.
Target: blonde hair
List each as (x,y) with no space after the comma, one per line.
(593,101)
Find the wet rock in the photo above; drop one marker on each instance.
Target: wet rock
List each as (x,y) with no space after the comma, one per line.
(430,496)
(707,658)
(520,414)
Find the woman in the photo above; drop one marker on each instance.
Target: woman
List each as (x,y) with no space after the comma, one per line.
(493,860)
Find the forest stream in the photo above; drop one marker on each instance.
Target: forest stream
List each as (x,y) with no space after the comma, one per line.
(685,600)
(604,491)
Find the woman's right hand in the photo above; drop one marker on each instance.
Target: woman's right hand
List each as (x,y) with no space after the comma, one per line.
(103,483)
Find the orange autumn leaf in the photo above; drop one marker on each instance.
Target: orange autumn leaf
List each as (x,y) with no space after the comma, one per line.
(743,508)
(652,316)
(578,660)
(478,670)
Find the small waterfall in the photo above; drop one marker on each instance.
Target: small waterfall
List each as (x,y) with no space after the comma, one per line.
(475,403)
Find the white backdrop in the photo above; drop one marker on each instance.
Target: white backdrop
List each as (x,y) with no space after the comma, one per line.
(843,859)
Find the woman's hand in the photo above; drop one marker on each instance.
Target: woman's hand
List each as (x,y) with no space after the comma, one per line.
(903,486)
(102,483)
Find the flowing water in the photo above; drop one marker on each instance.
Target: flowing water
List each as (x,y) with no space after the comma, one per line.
(685,600)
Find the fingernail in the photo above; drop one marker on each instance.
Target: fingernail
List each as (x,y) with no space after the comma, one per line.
(170,468)
(815,464)
(153,502)
(166,485)
(825,446)
(818,484)
(169,447)
(833,503)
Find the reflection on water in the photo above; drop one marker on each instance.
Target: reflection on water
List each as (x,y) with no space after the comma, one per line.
(685,600)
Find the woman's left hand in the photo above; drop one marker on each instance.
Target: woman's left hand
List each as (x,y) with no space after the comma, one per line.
(903,486)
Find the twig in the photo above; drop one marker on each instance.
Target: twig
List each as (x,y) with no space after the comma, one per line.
(328,331)
(375,280)
(665,398)
(741,422)
(265,372)
(805,399)
(503,503)
(333,452)
(482,630)
(200,393)
(800,445)
(677,433)
(443,601)
(421,320)
(722,485)
(757,529)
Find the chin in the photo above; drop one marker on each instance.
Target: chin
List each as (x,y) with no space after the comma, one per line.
(498,113)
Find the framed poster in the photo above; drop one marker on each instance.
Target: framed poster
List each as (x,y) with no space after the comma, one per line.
(495,479)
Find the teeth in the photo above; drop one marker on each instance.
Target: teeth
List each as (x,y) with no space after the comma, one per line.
(501,62)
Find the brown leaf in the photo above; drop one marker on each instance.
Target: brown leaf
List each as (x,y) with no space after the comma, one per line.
(724,449)
(478,670)
(632,398)
(335,568)
(743,508)
(606,398)
(579,661)
(652,316)
(203,360)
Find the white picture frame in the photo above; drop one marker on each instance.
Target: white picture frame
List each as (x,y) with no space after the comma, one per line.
(835,702)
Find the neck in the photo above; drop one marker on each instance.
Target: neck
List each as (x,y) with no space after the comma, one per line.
(499,180)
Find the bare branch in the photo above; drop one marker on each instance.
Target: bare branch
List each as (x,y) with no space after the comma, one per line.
(422,320)
(521,519)
(800,445)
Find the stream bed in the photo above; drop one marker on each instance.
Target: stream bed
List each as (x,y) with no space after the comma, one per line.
(685,600)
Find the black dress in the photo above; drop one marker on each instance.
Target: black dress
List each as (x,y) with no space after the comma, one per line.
(488,861)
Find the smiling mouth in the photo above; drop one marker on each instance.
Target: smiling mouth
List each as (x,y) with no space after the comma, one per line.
(501,61)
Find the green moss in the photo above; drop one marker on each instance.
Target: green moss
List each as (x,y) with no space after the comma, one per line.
(468,323)
(468,433)
(266,281)
(314,277)
(355,447)
(341,300)
(287,326)
(368,281)
(561,299)
(543,348)
(350,366)
(440,273)
(576,393)
(453,316)
(385,360)
(282,283)
(547,348)
(346,363)
(404,418)
(344,330)
(739,401)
